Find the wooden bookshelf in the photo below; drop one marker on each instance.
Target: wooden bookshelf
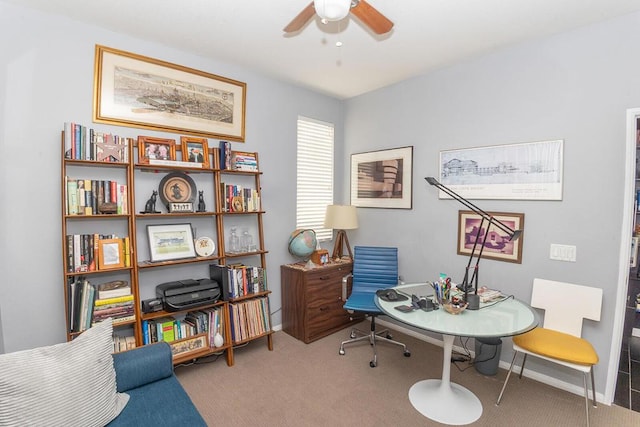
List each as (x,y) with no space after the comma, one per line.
(218,217)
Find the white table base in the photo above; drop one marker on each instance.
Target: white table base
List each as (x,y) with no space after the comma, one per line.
(443,401)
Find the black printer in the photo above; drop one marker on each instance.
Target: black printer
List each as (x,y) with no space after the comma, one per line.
(188,293)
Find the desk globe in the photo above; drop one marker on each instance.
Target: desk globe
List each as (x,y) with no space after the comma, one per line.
(302,243)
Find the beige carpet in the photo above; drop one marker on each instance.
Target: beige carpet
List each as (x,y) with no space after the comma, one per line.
(300,384)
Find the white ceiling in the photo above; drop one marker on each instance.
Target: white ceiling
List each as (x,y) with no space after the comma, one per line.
(428,34)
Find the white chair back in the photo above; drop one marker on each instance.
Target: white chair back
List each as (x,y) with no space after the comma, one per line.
(566,304)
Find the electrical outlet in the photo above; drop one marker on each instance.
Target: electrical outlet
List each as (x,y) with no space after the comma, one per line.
(562,252)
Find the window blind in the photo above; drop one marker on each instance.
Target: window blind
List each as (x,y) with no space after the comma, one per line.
(314,188)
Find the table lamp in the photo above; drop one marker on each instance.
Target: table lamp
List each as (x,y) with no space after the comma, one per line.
(341,218)
(474,300)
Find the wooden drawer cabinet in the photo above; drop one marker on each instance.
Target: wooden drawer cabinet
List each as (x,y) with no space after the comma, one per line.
(312,300)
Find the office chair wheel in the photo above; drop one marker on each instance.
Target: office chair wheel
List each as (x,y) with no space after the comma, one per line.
(389,336)
(341,352)
(407,353)
(352,335)
(373,364)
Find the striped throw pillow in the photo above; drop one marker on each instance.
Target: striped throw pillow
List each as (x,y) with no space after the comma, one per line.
(68,384)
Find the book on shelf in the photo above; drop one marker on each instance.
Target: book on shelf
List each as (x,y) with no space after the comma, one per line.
(225,154)
(83,143)
(83,251)
(81,295)
(91,197)
(237,280)
(114,300)
(239,199)
(123,343)
(115,288)
(249,319)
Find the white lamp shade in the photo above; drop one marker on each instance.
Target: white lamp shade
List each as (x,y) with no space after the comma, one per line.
(341,217)
(332,10)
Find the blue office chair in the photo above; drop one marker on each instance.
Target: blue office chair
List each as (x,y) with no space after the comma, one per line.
(374,268)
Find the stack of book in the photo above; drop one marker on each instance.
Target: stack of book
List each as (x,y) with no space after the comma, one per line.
(114,299)
(244,161)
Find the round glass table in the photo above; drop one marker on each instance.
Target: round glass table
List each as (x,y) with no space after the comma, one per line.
(440,399)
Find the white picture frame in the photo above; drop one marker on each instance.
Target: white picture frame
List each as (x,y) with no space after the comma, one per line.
(382,179)
(170,242)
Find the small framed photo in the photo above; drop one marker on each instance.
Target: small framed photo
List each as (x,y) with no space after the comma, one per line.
(151,149)
(110,254)
(170,242)
(187,346)
(497,245)
(195,150)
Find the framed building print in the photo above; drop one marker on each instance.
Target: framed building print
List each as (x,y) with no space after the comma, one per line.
(523,171)
(382,179)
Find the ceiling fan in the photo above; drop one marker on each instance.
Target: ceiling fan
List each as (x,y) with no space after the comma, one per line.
(336,10)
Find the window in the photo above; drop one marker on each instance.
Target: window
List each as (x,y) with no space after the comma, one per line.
(314,189)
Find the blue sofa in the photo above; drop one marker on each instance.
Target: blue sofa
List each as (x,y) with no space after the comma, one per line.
(156,397)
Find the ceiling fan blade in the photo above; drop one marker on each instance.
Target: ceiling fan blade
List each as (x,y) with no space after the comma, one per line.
(300,20)
(373,19)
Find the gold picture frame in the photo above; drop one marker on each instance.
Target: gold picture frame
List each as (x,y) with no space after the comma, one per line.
(110,254)
(138,91)
(150,148)
(195,150)
(498,246)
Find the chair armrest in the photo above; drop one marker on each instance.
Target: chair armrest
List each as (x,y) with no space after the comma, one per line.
(345,284)
(142,365)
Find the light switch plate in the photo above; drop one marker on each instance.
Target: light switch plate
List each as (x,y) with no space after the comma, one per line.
(562,252)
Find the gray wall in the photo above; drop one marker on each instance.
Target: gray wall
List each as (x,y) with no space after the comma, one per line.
(575,86)
(46,78)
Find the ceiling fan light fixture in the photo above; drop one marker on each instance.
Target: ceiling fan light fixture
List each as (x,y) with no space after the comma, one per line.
(332,10)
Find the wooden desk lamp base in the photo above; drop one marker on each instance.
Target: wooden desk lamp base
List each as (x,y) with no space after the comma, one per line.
(341,238)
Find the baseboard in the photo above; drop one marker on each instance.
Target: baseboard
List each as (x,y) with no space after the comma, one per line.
(529,373)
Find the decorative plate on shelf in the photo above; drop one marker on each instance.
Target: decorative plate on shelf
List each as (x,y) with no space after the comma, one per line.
(205,246)
(177,187)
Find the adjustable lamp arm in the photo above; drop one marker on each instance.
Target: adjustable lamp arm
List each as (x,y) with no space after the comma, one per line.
(513,234)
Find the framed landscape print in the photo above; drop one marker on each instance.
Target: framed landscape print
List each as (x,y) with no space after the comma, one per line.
(171,241)
(138,91)
(497,246)
(382,179)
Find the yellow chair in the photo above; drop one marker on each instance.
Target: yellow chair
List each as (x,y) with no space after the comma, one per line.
(559,339)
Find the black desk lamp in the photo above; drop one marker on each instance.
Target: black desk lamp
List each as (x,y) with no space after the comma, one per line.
(474,300)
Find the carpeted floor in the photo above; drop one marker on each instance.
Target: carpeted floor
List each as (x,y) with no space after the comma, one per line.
(300,384)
